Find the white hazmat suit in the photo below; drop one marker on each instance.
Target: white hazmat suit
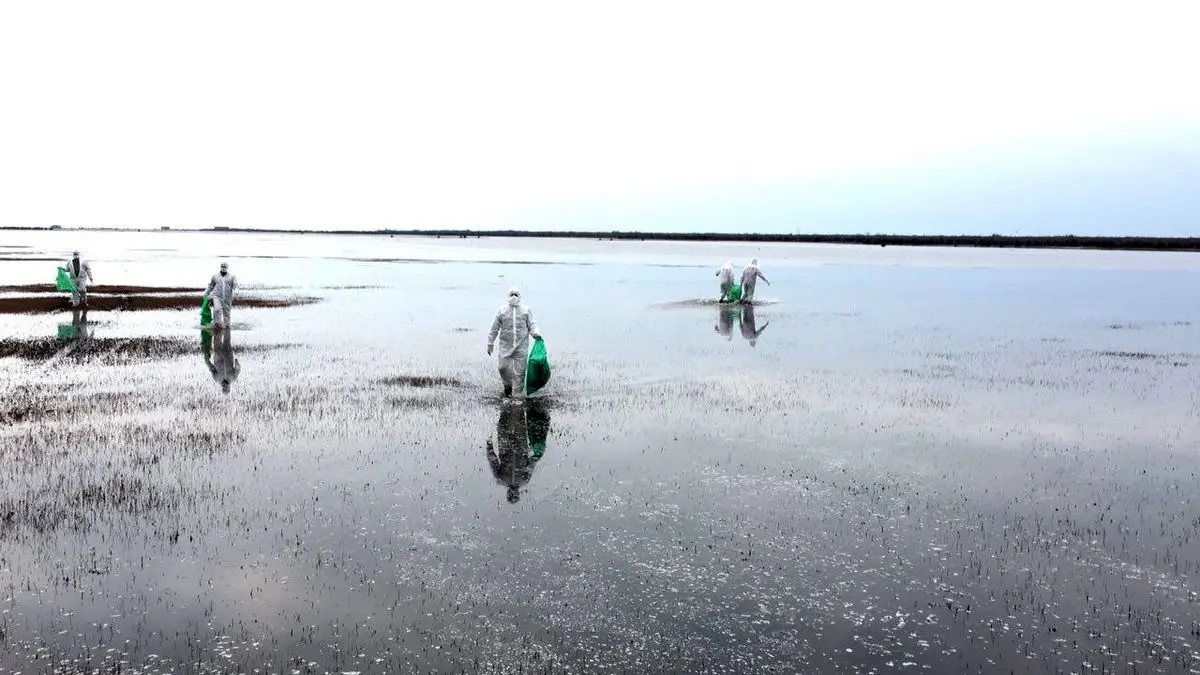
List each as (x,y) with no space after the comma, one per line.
(750,275)
(513,325)
(726,275)
(220,290)
(80,273)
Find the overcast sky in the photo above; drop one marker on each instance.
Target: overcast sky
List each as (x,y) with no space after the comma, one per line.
(1029,117)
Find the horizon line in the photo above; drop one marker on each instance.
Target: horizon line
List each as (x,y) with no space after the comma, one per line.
(1103,242)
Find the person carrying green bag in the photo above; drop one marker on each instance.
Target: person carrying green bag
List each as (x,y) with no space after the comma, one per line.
(220,294)
(79,273)
(512,326)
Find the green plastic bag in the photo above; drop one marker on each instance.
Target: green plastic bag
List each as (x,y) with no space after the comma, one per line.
(67,331)
(63,282)
(205,311)
(735,293)
(537,370)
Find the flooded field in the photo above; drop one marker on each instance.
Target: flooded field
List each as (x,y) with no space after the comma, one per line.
(935,460)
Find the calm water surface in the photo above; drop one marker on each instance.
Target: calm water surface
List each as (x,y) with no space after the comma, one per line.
(928,460)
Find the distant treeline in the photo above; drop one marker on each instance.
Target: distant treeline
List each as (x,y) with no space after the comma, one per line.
(964,240)
(983,241)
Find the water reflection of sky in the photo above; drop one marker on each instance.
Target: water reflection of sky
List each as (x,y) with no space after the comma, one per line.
(900,443)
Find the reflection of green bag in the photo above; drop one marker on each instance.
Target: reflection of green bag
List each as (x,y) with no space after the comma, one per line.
(735,293)
(537,371)
(205,311)
(63,282)
(537,426)
(206,345)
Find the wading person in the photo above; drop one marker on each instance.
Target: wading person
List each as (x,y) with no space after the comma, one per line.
(750,275)
(513,325)
(81,274)
(726,278)
(220,292)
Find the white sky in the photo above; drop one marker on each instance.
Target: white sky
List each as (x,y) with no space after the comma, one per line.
(519,114)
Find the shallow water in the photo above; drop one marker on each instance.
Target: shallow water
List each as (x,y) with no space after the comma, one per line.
(937,460)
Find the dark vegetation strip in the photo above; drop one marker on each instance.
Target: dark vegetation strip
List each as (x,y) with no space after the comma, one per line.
(422,381)
(103,303)
(981,241)
(100,288)
(114,349)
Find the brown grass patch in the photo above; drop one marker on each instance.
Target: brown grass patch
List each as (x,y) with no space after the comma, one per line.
(421,381)
(101,288)
(128,303)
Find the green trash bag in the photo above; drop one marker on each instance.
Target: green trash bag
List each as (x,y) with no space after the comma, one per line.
(205,311)
(67,331)
(537,370)
(63,282)
(734,294)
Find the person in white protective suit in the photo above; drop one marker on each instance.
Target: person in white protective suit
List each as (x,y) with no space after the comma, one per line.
(224,366)
(750,275)
(80,273)
(726,275)
(513,325)
(220,292)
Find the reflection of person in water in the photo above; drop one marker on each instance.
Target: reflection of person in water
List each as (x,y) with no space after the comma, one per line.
(79,330)
(79,322)
(725,321)
(521,436)
(220,361)
(747,325)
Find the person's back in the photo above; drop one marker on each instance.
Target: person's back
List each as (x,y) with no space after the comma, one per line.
(725,274)
(750,275)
